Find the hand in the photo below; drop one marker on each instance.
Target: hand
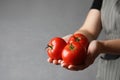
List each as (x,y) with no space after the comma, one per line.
(93,52)
(58,62)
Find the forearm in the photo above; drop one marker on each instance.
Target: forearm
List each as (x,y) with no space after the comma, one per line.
(89,36)
(92,25)
(110,46)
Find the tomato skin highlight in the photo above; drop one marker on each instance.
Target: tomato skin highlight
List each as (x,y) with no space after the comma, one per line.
(74,54)
(55,47)
(79,38)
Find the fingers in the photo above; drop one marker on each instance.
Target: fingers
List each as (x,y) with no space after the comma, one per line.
(72,67)
(64,65)
(59,61)
(50,60)
(56,62)
(89,61)
(69,67)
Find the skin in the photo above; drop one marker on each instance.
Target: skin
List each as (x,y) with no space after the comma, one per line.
(91,29)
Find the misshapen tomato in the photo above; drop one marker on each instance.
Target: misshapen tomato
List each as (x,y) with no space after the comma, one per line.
(74,54)
(79,38)
(55,47)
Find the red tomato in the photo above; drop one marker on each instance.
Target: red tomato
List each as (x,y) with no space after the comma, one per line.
(74,54)
(79,38)
(55,47)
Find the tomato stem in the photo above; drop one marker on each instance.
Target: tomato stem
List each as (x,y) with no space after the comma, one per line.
(77,39)
(71,47)
(50,46)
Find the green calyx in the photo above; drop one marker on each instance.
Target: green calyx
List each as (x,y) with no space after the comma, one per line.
(77,39)
(49,46)
(71,47)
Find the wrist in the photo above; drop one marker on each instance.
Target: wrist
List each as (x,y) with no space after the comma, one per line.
(101,46)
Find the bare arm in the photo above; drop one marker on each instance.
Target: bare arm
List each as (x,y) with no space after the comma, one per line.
(91,28)
(92,25)
(110,46)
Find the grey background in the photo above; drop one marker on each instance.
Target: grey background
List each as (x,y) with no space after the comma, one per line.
(25,28)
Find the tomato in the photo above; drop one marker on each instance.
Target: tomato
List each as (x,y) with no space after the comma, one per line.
(79,38)
(74,54)
(55,47)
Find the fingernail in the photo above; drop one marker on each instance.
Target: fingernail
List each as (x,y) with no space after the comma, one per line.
(62,62)
(49,60)
(59,61)
(69,67)
(54,61)
(62,65)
